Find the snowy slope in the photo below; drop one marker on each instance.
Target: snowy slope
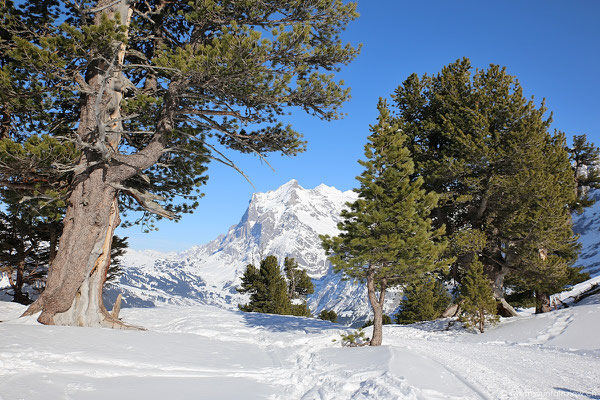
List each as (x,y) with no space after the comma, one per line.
(206,352)
(285,222)
(587,225)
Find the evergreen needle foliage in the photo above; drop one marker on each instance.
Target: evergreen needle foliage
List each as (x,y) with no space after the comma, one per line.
(477,300)
(424,301)
(355,339)
(386,235)
(113,107)
(584,158)
(505,182)
(268,289)
(191,78)
(299,283)
(328,315)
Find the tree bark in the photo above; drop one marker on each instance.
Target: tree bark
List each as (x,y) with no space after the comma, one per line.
(377,306)
(17,284)
(542,302)
(73,294)
(452,311)
(497,275)
(53,243)
(481,320)
(117,307)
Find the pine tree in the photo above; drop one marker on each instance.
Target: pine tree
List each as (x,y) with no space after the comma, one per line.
(276,299)
(299,283)
(145,94)
(267,288)
(386,235)
(477,300)
(250,284)
(300,309)
(328,315)
(487,150)
(269,291)
(424,301)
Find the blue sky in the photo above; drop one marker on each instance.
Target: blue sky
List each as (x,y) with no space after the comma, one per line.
(552,46)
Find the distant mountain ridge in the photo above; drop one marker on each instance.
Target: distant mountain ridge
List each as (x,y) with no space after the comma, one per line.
(285,222)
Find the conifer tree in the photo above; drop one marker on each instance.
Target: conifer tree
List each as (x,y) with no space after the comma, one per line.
(487,150)
(328,315)
(251,284)
(386,235)
(267,288)
(424,301)
(299,283)
(269,291)
(145,93)
(23,254)
(477,300)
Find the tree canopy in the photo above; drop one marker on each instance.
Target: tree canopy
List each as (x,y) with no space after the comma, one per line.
(386,235)
(107,84)
(132,99)
(505,181)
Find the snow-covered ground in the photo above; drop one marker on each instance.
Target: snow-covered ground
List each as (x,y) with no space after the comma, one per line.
(205,352)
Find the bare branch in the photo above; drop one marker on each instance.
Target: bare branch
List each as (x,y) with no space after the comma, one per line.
(216,126)
(147,200)
(226,161)
(98,9)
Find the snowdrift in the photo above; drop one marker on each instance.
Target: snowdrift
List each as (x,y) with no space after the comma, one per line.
(206,352)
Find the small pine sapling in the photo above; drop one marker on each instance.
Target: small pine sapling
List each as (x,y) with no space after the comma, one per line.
(328,315)
(425,301)
(357,338)
(478,303)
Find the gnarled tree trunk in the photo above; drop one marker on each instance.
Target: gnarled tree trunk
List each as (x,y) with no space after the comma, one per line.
(377,305)
(73,294)
(497,275)
(542,302)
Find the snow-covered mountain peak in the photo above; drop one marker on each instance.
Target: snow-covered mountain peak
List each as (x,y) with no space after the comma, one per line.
(285,222)
(316,210)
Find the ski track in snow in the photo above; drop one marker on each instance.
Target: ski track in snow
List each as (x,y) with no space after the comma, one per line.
(204,352)
(491,372)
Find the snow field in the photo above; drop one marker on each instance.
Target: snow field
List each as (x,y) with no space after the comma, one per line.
(204,352)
